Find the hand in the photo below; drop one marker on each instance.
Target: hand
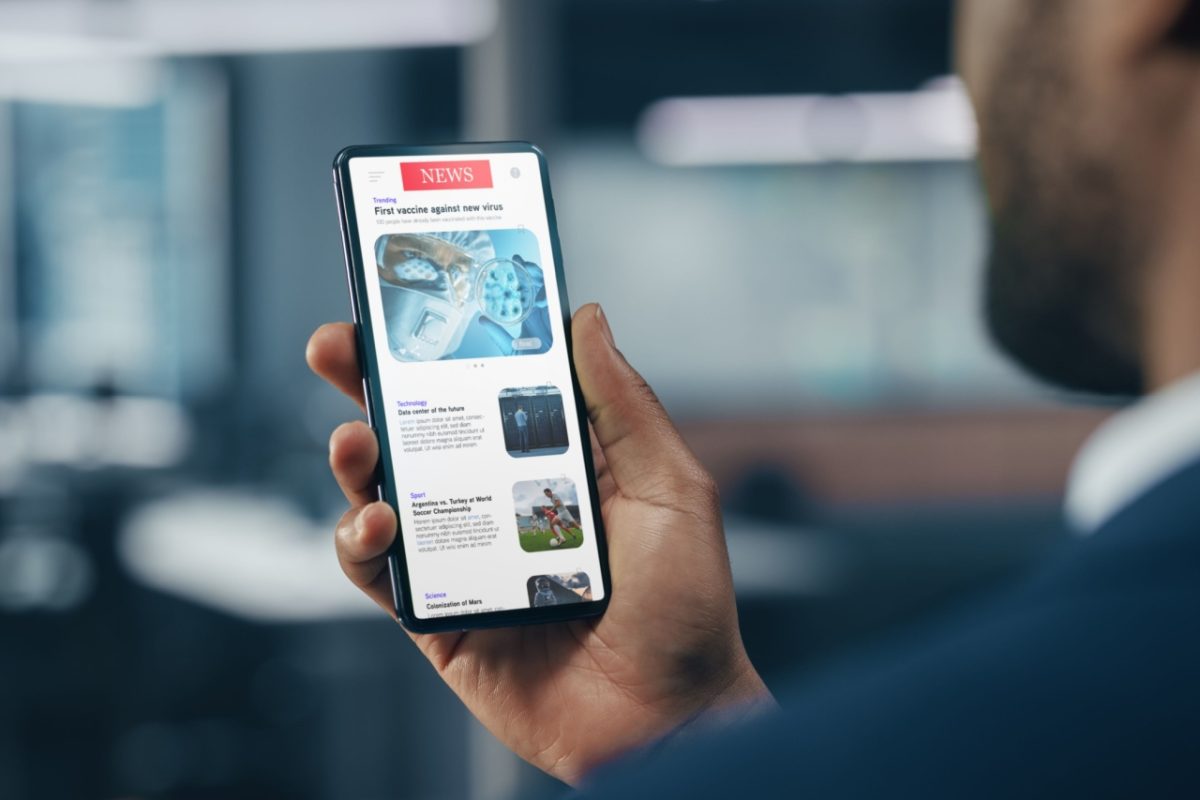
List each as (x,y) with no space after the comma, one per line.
(568,697)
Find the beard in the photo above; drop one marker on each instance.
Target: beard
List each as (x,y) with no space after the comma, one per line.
(1060,294)
(1058,307)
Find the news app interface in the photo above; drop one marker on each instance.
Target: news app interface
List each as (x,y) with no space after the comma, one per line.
(480,414)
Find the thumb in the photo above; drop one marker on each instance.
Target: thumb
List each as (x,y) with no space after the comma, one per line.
(645,454)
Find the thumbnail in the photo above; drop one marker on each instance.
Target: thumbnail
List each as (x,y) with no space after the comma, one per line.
(547,514)
(463,294)
(533,422)
(557,590)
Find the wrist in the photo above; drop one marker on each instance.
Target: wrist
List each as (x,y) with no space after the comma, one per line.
(744,697)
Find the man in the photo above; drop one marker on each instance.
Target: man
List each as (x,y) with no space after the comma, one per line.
(555,526)
(522,420)
(562,513)
(545,595)
(1083,680)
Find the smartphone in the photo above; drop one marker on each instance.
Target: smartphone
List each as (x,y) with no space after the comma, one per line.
(464,340)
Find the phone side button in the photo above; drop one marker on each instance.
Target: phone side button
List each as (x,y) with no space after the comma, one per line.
(366,384)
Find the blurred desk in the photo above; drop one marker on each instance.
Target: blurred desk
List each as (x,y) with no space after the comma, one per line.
(260,559)
(254,557)
(88,432)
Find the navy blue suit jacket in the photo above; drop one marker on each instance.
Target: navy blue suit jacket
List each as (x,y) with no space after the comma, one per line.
(1082,681)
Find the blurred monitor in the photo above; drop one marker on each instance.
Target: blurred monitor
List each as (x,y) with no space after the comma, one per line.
(118,258)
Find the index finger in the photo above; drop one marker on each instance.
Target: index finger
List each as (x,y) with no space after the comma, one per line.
(331,354)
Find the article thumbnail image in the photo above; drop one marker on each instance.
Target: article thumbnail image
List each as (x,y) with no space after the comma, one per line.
(557,590)
(547,515)
(533,422)
(463,294)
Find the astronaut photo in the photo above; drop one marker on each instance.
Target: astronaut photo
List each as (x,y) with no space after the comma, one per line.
(559,589)
(544,595)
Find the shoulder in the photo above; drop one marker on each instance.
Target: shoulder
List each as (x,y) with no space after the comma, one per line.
(1079,680)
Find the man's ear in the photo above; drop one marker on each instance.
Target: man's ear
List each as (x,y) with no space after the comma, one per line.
(1135,30)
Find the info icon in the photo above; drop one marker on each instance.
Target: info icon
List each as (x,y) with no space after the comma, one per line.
(516,173)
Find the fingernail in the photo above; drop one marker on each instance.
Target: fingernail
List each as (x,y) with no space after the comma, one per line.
(607,331)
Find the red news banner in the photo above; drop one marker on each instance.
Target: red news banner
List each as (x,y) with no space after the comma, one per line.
(418,176)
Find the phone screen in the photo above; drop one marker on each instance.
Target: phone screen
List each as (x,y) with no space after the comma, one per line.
(463,301)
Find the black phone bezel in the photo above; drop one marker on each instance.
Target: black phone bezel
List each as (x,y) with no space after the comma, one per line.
(373,398)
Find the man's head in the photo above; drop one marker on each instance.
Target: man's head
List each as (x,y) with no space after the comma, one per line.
(547,492)
(1088,113)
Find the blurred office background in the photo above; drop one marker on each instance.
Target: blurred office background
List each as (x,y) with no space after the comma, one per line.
(774,201)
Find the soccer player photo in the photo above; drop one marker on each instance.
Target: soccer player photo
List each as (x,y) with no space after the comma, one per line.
(547,513)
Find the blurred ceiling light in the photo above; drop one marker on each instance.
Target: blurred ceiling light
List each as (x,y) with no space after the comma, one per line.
(108,52)
(934,123)
(79,28)
(73,71)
